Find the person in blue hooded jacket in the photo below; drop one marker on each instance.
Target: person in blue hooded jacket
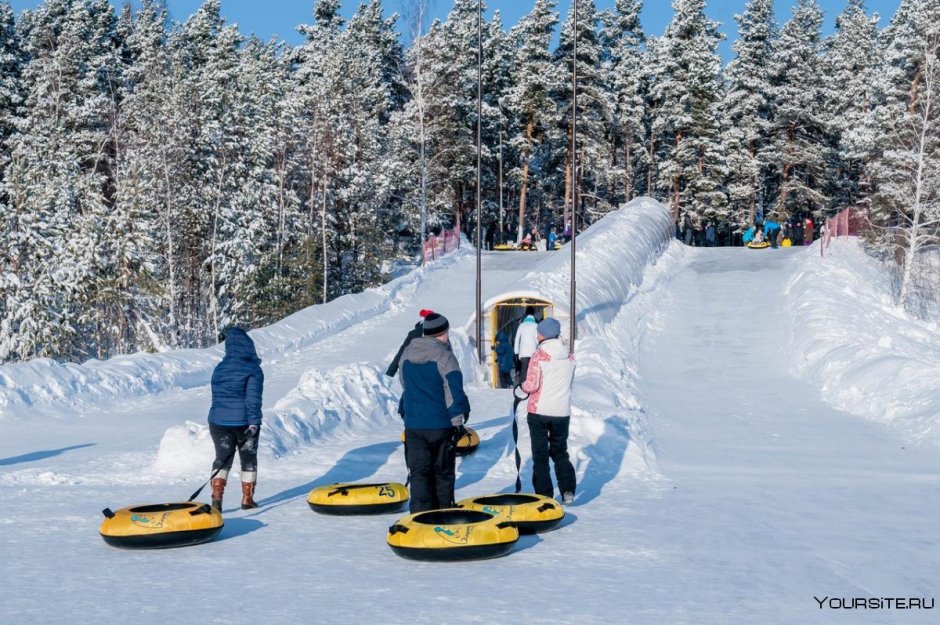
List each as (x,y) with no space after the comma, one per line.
(235,415)
(504,359)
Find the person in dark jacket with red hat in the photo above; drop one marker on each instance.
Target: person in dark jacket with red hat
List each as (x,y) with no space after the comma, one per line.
(434,408)
(235,415)
(417,332)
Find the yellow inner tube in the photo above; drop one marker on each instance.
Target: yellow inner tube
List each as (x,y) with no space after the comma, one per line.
(531,513)
(758,246)
(452,534)
(161,526)
(467,444)
(345,498)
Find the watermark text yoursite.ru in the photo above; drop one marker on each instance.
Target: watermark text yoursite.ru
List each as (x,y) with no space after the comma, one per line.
(875,603)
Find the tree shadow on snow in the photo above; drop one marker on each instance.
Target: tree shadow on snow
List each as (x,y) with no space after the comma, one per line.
(239,527)
(41,455)
(356,465)
(604,459)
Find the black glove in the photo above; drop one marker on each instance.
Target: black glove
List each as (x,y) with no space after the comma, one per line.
(252,430)
(459,432)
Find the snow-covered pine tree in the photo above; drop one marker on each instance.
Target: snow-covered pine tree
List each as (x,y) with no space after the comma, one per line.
(852,63)
(12,60)
(498,78)
(625,39)
(408,134)
(530,98)
(152,173)
(58,181)
(905,208)
(595,108)
(452,104)
(747,110)
(800,147)
(686,124)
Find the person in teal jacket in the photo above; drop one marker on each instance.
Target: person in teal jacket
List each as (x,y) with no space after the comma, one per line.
(771,232)
(748,235)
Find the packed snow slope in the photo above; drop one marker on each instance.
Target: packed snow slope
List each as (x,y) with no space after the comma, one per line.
(718,481)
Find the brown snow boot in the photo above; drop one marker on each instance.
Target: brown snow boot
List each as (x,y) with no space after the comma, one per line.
(248,491)
(218,487)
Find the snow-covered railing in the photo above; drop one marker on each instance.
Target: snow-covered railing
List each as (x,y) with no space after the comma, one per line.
(437,246)
(850,222)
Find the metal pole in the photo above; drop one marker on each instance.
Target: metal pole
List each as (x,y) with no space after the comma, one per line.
(479,176)
(575,199)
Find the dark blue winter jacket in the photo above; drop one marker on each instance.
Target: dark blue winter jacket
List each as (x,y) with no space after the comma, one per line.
(237,383)
(432,386)
(504,355)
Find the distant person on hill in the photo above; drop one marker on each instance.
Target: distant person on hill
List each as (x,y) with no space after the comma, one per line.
(771,231)
(808,231)
(526,340)
(418,331)
(748,235)
(552,238)
(711,235)
(548,383)
(235,415)
(434,408)
(504,358)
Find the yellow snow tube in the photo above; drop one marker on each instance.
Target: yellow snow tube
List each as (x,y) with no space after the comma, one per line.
(787,243)
(161,526)
(503,247)
(467,444)
(531,513)
(345,499)
(452,534)
(758,246)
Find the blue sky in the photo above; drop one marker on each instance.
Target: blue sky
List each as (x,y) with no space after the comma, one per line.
(280,17)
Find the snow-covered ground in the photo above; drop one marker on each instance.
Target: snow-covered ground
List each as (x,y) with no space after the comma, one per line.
(718,481)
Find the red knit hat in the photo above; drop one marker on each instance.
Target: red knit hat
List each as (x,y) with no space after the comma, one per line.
(425,312)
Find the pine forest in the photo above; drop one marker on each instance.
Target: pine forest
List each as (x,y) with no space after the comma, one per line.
(162,181)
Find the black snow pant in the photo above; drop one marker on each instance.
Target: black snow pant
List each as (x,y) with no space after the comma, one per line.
(550,440)
(505,379)
(229,438)
(772,237)
(431,456)
(523,369)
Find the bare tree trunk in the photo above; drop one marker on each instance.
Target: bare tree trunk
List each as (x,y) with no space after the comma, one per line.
(676,180)
(213,298)
(787,168)
(529,129)
(752,211)
(170,253)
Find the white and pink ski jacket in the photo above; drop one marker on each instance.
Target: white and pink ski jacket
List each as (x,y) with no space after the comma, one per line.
(548,383)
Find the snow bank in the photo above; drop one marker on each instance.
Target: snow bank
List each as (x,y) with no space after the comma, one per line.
(345,400)
(621,267)
(869,357)
(48,383)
